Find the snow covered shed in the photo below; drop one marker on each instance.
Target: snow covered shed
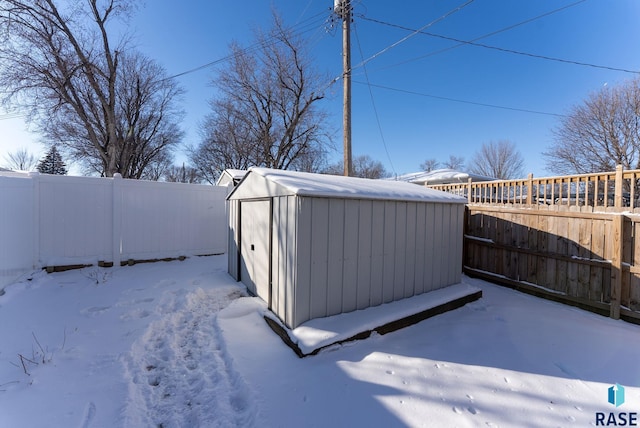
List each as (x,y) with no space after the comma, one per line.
(314,245)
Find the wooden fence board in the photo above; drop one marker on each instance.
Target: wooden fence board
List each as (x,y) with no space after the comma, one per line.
(573,248)
(584,252)
(597,252)
(560,248)
(552,247)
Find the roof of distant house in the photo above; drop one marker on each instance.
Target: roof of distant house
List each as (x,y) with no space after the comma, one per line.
(231,175)
(440,176)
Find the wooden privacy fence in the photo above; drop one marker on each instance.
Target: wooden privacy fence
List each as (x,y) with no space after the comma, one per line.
(573,239)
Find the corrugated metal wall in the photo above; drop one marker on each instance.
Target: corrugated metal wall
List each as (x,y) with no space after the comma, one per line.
(233,250)
(284,264)
(330,256)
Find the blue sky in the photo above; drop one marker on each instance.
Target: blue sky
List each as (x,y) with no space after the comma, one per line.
(428,101)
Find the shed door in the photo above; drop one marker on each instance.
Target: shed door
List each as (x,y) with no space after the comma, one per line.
(255,231)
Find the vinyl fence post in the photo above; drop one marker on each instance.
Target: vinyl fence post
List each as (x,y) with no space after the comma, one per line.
(116,229)
(35,177)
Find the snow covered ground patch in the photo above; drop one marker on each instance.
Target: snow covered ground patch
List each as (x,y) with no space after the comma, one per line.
(136,346)
(178,345)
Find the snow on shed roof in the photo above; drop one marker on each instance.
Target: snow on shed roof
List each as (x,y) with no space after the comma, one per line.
(323,185)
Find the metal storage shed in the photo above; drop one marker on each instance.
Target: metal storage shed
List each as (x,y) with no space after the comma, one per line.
(316,245)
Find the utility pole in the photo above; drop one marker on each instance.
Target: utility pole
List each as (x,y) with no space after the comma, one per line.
(343,9)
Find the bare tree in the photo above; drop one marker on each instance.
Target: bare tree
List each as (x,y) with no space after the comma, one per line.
(107,107)
(600,133)
(21,160)
(363,166)
(226,142)
(429,165)
(454,162)
(182,174)
(498,159)
(157,168)
(267,113)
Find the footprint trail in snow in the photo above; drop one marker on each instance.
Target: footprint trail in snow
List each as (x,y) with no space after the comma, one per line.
(179,371)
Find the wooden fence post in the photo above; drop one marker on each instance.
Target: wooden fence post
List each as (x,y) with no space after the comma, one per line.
(469,189)
(530,189)
(618,187)
(616,264)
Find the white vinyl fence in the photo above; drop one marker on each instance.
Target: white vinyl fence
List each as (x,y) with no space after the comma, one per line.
(49,220)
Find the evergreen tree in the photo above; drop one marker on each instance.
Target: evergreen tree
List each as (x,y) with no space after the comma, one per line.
(52,163)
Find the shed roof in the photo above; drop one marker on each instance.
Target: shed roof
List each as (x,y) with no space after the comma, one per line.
(333,186)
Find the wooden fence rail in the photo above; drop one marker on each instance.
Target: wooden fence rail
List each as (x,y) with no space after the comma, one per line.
(587,192)
(573,239)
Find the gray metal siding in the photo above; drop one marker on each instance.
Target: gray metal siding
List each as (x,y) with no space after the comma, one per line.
(438,250)
(377,253)
(299,289)
(365,283)
(410,253)
(278,257)
(400,250)
(388,262)
(319,256)
(350,268)
(430,238)
(284,258)
(421,220)
(232,252)
(335,255)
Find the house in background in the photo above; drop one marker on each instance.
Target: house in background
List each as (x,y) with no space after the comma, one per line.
(231,177)
(440,176)
(314,245)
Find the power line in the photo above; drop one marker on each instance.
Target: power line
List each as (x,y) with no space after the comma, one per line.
(404,39)
(309,24)
(373,103)
(493,33)
(471,43)
(459,100)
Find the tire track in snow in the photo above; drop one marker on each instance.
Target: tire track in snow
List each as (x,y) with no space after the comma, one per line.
(180,372)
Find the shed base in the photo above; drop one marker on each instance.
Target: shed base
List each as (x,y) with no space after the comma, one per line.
(321,333)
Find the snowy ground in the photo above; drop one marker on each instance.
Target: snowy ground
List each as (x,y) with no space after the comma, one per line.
(176,345)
